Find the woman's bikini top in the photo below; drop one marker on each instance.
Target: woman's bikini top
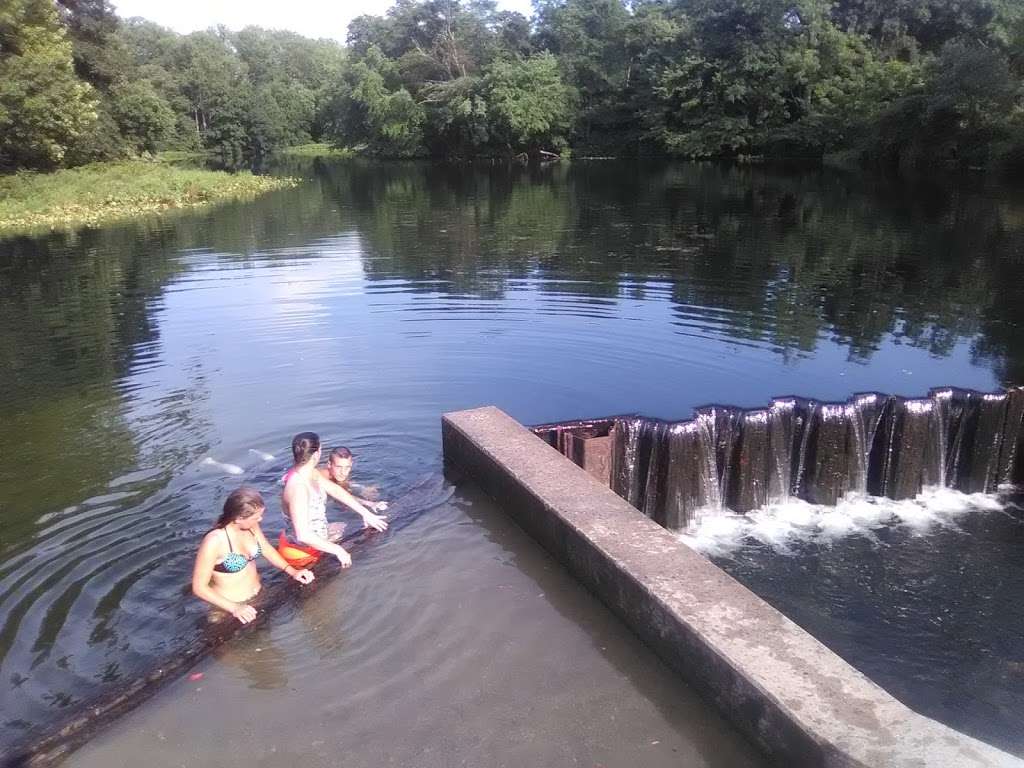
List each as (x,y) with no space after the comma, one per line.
(234,562)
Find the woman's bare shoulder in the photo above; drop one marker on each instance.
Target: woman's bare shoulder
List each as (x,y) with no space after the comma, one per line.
(212,538)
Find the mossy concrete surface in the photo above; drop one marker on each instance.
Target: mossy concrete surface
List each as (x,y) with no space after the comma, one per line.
(792,696)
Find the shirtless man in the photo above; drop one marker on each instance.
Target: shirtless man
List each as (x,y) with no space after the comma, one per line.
(338,470)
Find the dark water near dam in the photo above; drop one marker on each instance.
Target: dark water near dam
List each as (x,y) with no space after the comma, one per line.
(148,368)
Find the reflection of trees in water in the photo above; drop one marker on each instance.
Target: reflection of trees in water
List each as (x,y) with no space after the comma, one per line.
(777,257)
(79,313)
(72,313)
(454,229)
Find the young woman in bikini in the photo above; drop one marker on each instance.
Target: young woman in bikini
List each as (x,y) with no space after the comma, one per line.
(225,573)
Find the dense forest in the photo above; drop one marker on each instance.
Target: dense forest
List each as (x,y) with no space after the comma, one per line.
(892,82)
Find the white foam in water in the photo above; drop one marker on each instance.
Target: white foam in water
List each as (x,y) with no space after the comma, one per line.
(230,469)
(262,455)
(781,525)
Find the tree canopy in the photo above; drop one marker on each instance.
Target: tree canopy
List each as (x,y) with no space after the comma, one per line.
(904,83)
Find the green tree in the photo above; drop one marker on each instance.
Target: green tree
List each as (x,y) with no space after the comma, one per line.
(103,61)
(44,107)
(589,39)
(529,105)
(373,109)
(101,57)
(214,82)
(144,118)
(967,104)
(902,28)
(769,77)
(457,120)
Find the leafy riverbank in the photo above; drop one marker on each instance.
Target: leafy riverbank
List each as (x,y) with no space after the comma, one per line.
(101,192)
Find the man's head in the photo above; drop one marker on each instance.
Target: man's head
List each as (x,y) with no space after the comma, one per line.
(339,464)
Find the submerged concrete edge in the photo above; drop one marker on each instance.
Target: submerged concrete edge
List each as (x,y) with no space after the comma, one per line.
(799,702)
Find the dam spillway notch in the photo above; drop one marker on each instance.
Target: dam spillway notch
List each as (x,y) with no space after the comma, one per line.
(740,459)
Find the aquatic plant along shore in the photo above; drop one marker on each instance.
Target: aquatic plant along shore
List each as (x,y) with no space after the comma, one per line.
(873,444)
(105,192)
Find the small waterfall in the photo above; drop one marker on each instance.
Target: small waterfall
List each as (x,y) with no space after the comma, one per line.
(807,416)
(626,458)
(865,417)
(741,459)
(943,399)
(723,425)
(957,423)
(691,482)
(711,482)
(914,463)
(782,424)
(990,417)
(830,461)
(1013,434)
(750,487)
(657,470)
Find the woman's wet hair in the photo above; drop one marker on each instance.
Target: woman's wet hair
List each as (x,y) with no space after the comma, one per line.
(241,503)
(304,445)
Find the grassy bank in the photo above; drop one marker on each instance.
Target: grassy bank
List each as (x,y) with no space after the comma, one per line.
(102,192)
(315,150)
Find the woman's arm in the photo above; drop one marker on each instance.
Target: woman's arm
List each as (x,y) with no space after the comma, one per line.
(202,573)
(370,520)
(296,499)
(301,575)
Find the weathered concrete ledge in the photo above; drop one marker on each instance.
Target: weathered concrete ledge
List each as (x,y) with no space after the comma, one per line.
(796,699)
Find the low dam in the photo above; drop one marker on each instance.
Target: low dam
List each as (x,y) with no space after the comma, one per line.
(741,459)
(794,698)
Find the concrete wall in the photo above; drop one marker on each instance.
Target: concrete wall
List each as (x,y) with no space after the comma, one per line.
(798,701)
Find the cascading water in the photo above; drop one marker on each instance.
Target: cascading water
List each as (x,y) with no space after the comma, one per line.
(691,482)
(1012,434)
(782,423)
(808,412)
(867,410)
(873,444)
(988,442)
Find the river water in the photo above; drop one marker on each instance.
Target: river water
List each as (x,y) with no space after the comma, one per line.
(146,369)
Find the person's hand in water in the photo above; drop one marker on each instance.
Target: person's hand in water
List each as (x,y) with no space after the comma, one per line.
(303,576)
(376,522)
(344,558)
(244,613)
(378,506)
